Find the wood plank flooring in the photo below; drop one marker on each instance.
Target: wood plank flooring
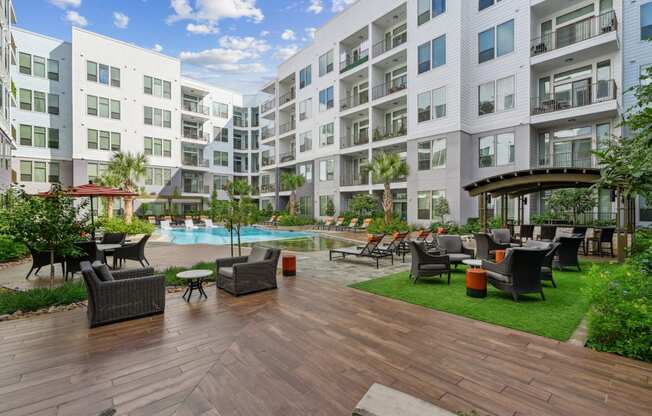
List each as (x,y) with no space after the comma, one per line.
(309,348)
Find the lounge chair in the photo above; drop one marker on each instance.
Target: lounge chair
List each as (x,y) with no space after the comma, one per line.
(41,259)
(165,225)
(365,224)
(605,236)
(425,264)
(151,220)
(353,225)
(453,247)
(546,267)
(117,296)
(272,221)
(397,246)
(519,272)
(370,250)
(504,236)
(133,251)
(190,225)
(248,274)
(486,246)
(209,223)
(567,252)
(339,224)
(326,224)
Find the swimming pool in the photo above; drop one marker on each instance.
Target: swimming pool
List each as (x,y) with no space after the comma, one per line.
(220,236)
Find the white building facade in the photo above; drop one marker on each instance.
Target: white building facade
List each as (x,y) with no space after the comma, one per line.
(7,98)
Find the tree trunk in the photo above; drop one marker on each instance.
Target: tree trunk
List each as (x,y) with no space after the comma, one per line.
(129,209)
(292,207)
(231,232)
(388,203)
(51,269)
(109,207)
(239,245)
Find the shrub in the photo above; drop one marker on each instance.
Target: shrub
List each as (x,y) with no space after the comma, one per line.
(118,225)
(171,273)
(41,298)
(297,220)
(11,249)
(378,226)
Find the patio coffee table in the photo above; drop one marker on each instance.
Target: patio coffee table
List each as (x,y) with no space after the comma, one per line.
(195,279)
(473,262)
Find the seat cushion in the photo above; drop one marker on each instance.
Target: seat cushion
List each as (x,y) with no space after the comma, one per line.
(226,271)
(432,267)
(458,257)
(499,277)
(257,254)
(102,271)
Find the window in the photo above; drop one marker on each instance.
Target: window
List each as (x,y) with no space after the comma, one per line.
(577,13)
(426,203)
(91,71)
(158,147)
(25,63)
(432,104)
(324,202)
(305,109)
(25,99)
(603,134)
(167,119)
(115,142)
(423,11)
(505,93)
(25,171)
(486,45)
(326,63)
(327,135)
(103,107)
(326,170)
(115,109)
(157,176)
(115,77)
(148,85)
(53,138)
(305,141)
(497,150)
(483,4)
(432,154)
(305,77)
(220,158)
(95,170)
(53,176)
(91,105)
(92,139)
(53,104)
(25,135)
(53,70)
(221,110)
(104,74)
(306,171)
(423,54)
(438,7)
(157,117)
(40,172)
(167,148)
(487,97)
(105,140)
(424,103)
(221,134)
(439,51)
(39,136)
(220,182)
(646,21)
(505,38)
(39,66)
(439,102)
(167,90)
(326,99)
(154,86)
(39,102)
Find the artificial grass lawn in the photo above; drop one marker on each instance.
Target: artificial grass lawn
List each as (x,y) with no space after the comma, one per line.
(171,273)
(557,317)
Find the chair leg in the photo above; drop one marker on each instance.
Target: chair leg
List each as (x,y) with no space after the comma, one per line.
(553,282)
(141,263)
(29,273)
(542,296)
(515,296)
(449,278)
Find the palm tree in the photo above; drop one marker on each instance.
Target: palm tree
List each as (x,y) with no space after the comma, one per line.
(387,168)
(292,182)
(129,169)
(111,181)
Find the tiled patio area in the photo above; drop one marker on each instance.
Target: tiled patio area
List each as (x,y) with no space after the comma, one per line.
(309,348)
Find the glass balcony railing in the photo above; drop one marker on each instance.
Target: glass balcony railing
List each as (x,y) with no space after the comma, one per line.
(196,135)
(396,85)
(574,95)
(194,162)
(355,180)
(566,160)
(266,133)
(196,108)
(574,33)
(288,156)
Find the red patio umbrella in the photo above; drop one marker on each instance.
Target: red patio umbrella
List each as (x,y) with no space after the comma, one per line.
(92,190)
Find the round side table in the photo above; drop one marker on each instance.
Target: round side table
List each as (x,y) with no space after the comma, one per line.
(195,279)
(476,283)
(289,265)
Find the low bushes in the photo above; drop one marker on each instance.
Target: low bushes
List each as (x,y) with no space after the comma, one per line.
(379,226)
(41,298)
(171,273)
(293,221)
(118,225)
(11,249)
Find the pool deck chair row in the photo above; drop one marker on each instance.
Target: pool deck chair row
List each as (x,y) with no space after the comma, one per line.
(371,250)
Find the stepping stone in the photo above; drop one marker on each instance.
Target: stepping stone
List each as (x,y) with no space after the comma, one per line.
(381,400)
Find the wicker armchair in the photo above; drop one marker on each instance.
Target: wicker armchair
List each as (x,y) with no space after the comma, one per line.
(132,294)
(425,264)
(248,274)
(567,252)
(41,259)
(453,247)
(518,273)
(486,246)
(504,236)
(134,252)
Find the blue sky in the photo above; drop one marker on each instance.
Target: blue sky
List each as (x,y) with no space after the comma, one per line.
(236,44)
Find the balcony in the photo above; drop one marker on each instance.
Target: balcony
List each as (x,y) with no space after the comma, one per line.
(286,98)
(351,140)
(266,133)
(574,97)
(353,59)
(352,101)
(266,160)
(565,160)
(383,90)
(398,129)
(387,45)
(356,180)
(196,108)
(287,127)
(576,32)
(240,144)
(195,135)
(268,188)
(191,189)
(268,105)
(195,163)
(288,156)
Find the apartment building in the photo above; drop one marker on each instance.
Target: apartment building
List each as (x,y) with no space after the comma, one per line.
(461,90)
(7,99)
(81,102)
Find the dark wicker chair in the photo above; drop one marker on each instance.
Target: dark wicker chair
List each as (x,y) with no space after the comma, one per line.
(504,236)
(526,232)
(548,232)
(427,265)
(248,274)
(41,259)
(486,246)
(112,238)
(606,236)
(88,252)
(567,252)
(580,231)
(546,267)
(518,273)
(452,246)
(131,294)
(135,251)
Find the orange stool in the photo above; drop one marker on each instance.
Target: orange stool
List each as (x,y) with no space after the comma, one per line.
(500,255)
(476,283)
(289,265)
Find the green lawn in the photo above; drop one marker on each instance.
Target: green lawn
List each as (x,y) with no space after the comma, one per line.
(556,317)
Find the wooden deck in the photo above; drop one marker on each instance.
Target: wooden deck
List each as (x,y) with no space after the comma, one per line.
(309,348)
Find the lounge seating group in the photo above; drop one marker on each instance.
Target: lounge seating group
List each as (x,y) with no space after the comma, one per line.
(248,274)
(519,272)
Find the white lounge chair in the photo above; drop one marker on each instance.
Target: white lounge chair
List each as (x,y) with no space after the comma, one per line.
(165,225)
(190,225)
(209,223)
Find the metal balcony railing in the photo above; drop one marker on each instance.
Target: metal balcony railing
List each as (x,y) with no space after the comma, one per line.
(352,101)
(196,108)
(266,133)
(287,97)
(196,135)
(565,160)
(350,140)
(387,45)
(287,127)
(396,85)
(196,189)
(267,161)
(268,188)
(575,96)
(268,105)
(355,180)
(354,58)
(196,163)
(288,156)
(398,129)
(574,33)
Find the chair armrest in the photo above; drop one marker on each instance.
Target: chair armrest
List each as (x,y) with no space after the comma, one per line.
(138,286)
(434,259)
(495,267)
(469,251)
(230,261)
(252,267)
(133,273)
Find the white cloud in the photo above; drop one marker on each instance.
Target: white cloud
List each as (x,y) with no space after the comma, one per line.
(215,10)
(201,29)
(64,4)
(247,43)
(310,31)
(75,18)
(286,52)
(120,20)
(264,33)
(221,59)
(288,34)
(158,48)
(316,6)
(339,5)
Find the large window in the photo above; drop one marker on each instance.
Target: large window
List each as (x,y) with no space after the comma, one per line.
(305,109)
(305,141)
(326,63)
(326,170)
(432,104)
(39,66)
(326,99)
(158,147)
(439,51)
(305,170)
(496,96)
(486,45)
(39,102)
(505,93)
(25,63)
(495,42)
(102,73)
(157,117)
(25,97)
(53,104)
(220,158)
(38,136)
(498,150)
(324,201)
(483,4)
(157,176)
(423,54)
(327,134)
(646,21)
(103,140)
(103,107)
(432,154)
(53,70)
(486,98)
(305,77)
(425,204)
(33,171)
(425,11)
(220,110)
(424,102)
(157,87)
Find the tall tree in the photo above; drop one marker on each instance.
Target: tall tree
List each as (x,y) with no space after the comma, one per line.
(129,168)
(576,201)
(238,211)
(112,181)
(387,168)
(292,182)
